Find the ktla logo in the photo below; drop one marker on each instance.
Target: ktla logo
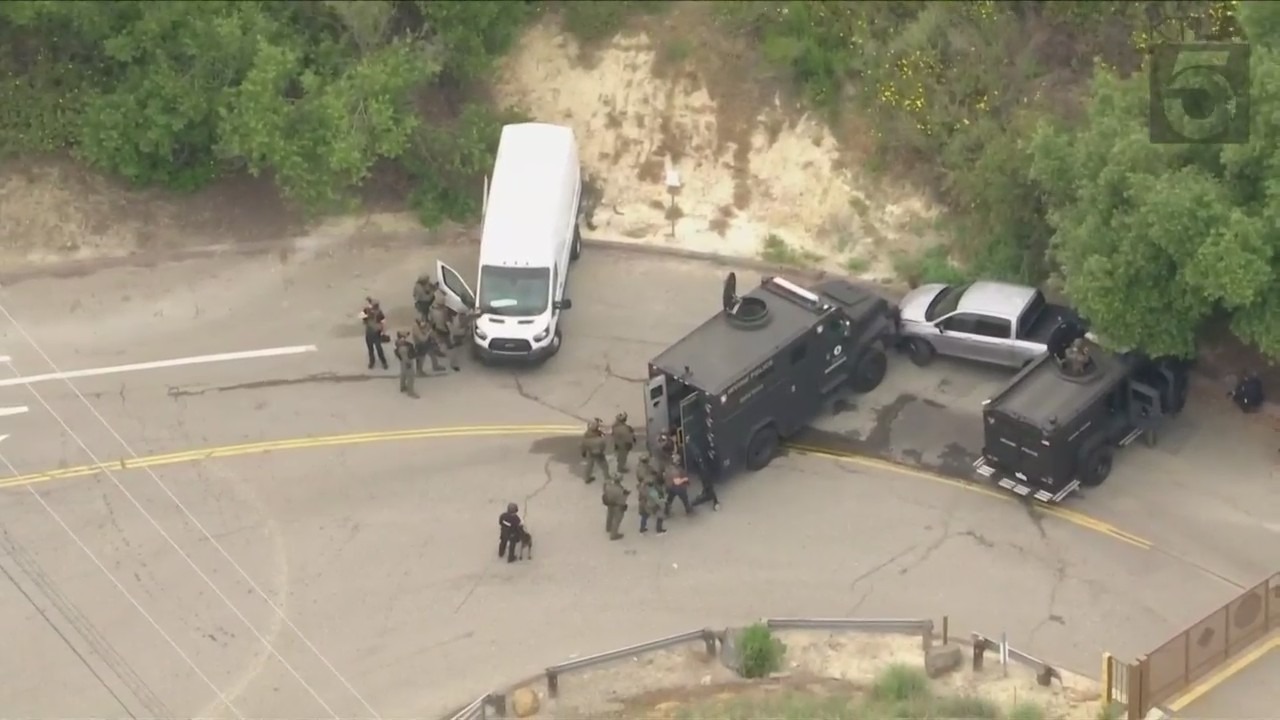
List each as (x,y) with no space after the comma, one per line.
(1199,90)
(1200,93)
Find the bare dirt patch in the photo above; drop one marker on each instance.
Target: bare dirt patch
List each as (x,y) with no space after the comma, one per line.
(52,210)
(55,210)
(679,94)
(668,683)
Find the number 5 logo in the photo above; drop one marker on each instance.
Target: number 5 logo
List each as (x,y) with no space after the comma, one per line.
(1199,93)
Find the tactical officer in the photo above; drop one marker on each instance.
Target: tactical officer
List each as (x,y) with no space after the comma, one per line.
(1248,394)
(1076,359)
(652,496)
(593,450)
(405,354)
(614,498)
(423,293)
(509,527)
(438,324)
(707,472)
(422,348)
(374,326)
(459,327)
(624,440)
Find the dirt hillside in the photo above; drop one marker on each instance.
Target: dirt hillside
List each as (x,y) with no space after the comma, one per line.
(678,98)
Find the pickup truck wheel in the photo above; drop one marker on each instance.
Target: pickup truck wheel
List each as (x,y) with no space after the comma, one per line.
(762,447)
(1096,466)
(921,352)
(869,371)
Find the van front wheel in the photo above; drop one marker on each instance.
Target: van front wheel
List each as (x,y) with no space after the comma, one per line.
(575,251)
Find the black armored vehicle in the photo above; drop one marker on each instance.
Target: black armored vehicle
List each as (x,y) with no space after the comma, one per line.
(1056,425)
(763,367)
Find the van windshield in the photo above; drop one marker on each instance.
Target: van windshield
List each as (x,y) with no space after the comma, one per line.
(514,291)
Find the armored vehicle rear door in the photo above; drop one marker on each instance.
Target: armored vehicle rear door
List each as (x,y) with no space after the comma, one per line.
(692,424)
(656,417)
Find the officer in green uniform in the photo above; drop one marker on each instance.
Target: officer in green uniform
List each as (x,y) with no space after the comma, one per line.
(624,440)
(614,498)
(404,353)
(593,450)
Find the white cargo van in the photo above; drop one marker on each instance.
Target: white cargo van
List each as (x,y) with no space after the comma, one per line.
(529,237)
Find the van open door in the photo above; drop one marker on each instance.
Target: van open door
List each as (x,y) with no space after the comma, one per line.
(656,419)
(457,293)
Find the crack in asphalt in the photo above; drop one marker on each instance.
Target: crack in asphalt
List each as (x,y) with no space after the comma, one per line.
(325,377)
(520,390)
(609,373)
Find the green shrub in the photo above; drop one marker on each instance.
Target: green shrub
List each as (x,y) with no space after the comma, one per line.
(593,22)
(931,266)
(450,163)
(1026,711)
(965,707)
(761,651)
(901,684)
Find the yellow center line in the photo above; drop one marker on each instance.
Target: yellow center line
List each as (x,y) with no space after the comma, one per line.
(262,447)
(258,448)
(1071,516)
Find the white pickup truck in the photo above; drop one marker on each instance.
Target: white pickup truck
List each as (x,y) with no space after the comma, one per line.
(990,322)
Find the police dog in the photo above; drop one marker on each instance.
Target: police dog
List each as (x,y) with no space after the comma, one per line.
(526,543)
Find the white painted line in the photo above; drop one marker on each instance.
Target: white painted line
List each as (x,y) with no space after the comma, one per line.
(3,438)
(159,364)
(15,410)
(4,358)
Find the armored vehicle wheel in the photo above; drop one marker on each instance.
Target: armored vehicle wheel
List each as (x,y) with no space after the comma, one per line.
(575,251)
(762,447)
(1096,466)
(869,372)
(921,352)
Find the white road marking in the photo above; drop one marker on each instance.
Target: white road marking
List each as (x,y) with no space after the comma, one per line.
(4,358)
(15,410)
(158,364)
(3,438)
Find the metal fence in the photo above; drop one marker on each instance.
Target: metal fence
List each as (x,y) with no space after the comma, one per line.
(494,704)
(1197,651)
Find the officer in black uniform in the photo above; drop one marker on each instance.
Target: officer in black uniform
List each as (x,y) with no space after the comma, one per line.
(509,527)
(706,470)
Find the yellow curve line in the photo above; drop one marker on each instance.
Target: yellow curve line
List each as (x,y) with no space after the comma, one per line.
(1216,679)
(257,448)
(290,444)
(1071,516)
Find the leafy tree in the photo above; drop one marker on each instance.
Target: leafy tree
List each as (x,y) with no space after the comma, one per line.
(1156,239)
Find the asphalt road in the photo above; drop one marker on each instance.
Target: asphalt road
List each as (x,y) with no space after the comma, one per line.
(1250,692)
(350,571)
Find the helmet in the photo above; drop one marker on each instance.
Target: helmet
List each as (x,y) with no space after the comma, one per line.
(622,417)
(424,278)
(644,458)
(593,426)
(512,507)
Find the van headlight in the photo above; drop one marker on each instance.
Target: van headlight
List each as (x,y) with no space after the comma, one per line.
(542,335)
(480,334)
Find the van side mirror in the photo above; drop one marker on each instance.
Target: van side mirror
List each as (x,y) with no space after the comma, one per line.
(564,304)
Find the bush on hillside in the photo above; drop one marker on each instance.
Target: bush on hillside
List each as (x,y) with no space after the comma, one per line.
(762,653)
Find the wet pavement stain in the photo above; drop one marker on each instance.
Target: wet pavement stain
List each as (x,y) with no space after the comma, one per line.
(955,460)
(559,449)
